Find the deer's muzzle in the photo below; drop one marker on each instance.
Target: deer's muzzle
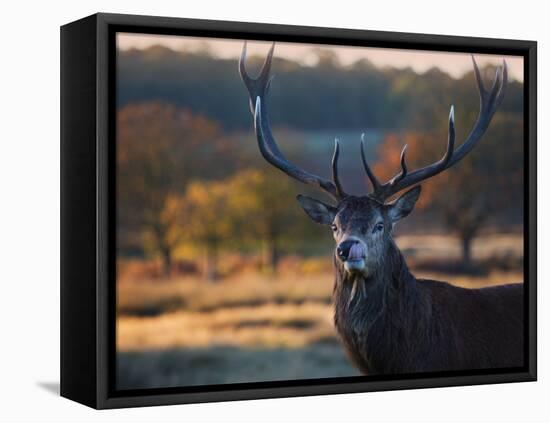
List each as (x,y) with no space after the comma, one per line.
(352,253)
(351,250)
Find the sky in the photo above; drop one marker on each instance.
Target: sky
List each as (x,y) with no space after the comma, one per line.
(455,64)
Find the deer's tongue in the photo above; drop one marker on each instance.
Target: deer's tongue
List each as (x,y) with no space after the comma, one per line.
(356,252)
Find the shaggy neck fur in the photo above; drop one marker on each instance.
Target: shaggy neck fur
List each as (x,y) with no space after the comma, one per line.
(383,320)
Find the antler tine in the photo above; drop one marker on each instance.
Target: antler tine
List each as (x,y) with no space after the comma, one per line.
(489,102)
(256,86)
(479,80)
(403,162)
(503,84)
(491,99)
(495,89)
(335,177)
(406,179)
(266,67)
(281,163)
(242,68)
(257,90)
(376,185)
(263,76)
(450,137)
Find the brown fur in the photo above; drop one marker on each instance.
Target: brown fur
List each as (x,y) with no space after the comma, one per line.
(391,322)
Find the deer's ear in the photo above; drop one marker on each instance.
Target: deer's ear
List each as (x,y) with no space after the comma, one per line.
(404,204)
(317,210)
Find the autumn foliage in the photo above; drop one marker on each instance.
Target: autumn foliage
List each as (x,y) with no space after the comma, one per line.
(482,189)
(180,188)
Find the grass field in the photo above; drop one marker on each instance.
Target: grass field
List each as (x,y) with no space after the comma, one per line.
(255,327)
(223,364)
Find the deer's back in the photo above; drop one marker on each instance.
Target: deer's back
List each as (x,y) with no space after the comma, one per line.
(476,328)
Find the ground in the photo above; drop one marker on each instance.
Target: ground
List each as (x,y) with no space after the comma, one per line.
(250,326)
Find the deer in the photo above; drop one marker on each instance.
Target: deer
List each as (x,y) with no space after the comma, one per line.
(389,321)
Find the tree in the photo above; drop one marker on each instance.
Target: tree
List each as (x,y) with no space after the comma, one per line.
(164,232)
(208,221)
(251,209)
(159,148)
(486,186)
(265,210)
(324,94)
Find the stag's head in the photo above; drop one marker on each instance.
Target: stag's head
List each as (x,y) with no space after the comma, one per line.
(362,226)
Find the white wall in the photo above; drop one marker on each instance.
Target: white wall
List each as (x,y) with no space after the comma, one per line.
(29,239)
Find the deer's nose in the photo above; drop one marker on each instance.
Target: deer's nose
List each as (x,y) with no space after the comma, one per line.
(344,248)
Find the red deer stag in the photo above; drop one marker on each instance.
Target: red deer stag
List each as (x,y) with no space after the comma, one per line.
(388,320)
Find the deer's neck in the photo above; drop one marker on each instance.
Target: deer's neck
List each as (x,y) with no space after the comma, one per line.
(374,314)
(392,282)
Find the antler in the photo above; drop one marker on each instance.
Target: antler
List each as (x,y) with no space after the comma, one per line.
(489,102)
(257,90)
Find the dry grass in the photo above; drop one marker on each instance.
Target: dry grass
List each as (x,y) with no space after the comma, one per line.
(194,293)
(250,326)
(490,246)
(266,326)
(259,313)
(207,366)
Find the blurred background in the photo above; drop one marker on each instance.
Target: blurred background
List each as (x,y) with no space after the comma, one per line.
(221,277)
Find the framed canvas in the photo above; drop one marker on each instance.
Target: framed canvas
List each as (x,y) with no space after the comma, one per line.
(364,221)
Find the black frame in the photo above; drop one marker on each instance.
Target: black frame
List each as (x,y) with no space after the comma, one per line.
(88,201)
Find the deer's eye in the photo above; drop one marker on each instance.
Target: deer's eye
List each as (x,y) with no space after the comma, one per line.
(378,227)
(334,227)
